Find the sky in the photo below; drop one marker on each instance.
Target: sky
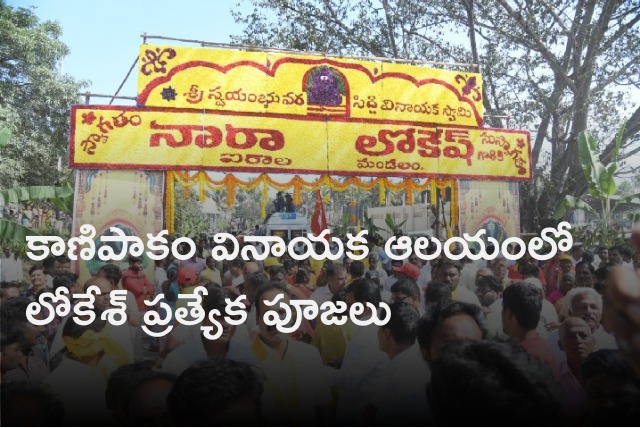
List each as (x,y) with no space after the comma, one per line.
(104,36)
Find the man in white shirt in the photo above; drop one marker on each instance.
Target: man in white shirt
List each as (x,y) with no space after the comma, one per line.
(336,279)
(548,314)
(233,277)
(198,347)
(468,274)
(576,253)
(405,374)
(296,390)
(362,358)
(374,264)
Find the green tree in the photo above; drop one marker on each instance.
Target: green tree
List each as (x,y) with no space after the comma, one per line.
(551,65)
(60,197)
(34,98)
(625,188)
(602,188)
(248,206)
(189,218)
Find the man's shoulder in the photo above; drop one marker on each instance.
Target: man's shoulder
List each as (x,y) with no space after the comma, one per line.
(320,291)
(304,351)
(321,295)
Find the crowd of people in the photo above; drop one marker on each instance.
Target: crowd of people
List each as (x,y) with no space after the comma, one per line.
(42,216)
(467,343)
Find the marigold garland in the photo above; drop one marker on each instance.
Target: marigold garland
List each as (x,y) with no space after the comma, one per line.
(230,182)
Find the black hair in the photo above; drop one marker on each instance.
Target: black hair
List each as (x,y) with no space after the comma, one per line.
(62,259)
(121,381)
(112,272)
(66,280)
(494,379)
(274,270)
(492,282)
(267,287)
(625,251)
(301,274)
(609,363)
(132,419)
(47,263)
(339,296)
(525,302)
(602,273)
(35,268)
(622,407)
(588,256)
(75,330)
(135,259)
(288,264)
(445,264)
(588,264)
(437,293)
(215,298)
(203,391)
(365,290)
(529,269)
(238,262)
(14,310)
(356,269)
(403,323)
(9,284)
(10,334)
(440,312)
(408,287)
(25,404)
(256,279)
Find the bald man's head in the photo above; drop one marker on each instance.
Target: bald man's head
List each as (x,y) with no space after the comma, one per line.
(576,339)
(249,268)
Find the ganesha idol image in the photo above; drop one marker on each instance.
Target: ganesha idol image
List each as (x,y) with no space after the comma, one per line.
(326,92)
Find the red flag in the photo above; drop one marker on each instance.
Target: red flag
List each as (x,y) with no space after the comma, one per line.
(319,219)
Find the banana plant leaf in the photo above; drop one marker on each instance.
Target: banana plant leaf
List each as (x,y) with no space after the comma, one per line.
(30,193)
(15,231)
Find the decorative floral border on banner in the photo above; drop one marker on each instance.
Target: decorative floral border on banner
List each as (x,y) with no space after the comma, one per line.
(230,182)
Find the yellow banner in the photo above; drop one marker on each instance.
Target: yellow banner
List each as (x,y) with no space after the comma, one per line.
(306,86)
(114,137)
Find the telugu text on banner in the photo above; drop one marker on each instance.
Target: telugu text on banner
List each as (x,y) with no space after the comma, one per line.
(113,137)
(237,81)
